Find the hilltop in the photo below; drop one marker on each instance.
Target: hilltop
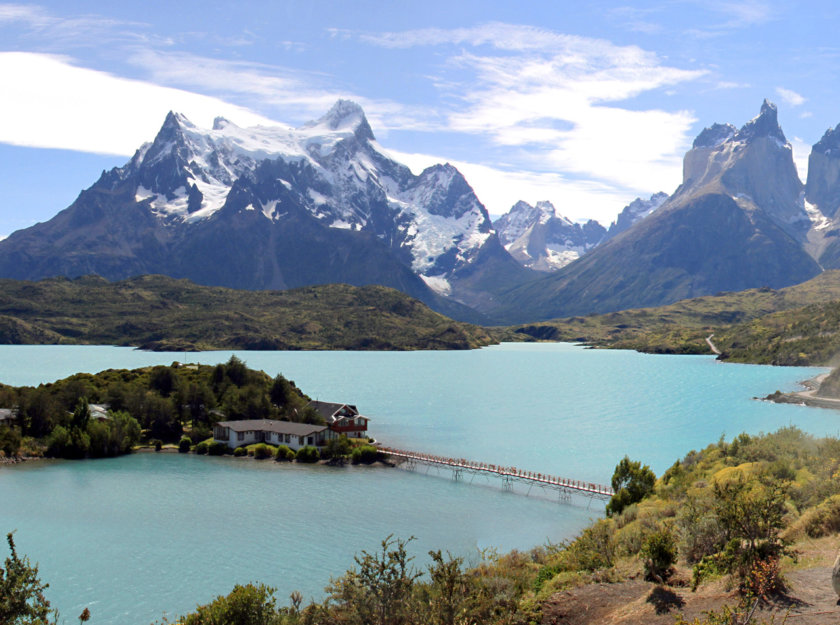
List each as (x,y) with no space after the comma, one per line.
(791,326)
(164,314)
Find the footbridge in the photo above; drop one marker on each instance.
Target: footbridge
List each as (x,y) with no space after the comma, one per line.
(462,467)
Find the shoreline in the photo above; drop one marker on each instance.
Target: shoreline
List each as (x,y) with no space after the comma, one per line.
(807,397)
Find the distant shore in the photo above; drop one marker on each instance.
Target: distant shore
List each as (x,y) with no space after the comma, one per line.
(807,397)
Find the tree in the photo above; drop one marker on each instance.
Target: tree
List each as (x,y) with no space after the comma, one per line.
(631,482)
(22,600)
(448,589)
(380,591)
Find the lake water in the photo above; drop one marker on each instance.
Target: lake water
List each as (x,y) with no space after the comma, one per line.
(138,536)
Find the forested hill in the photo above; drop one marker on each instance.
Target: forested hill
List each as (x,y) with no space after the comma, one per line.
(160,313)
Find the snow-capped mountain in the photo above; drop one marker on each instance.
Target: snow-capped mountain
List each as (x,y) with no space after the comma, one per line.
(319,203)
(540,239)
(739,220)
(634,212)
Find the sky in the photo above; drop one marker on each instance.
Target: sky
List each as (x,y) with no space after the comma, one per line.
(587,105)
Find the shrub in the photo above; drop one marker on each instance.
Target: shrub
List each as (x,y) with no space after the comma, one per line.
(366,454)
(251,604)
(262,451)
(157,443)
(184,444)
(307,454)
(659,552)
(202,448)
(239,452)
(217,448)
(337,448)
(283,453)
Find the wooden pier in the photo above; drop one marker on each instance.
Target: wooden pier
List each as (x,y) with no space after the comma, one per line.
(509,475)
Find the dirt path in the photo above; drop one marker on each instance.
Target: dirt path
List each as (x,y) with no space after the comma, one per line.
(810,599)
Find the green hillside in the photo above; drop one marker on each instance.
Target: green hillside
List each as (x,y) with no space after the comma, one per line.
(160,313)
(791,326)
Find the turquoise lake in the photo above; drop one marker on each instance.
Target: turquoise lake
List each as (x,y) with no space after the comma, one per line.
(139,536)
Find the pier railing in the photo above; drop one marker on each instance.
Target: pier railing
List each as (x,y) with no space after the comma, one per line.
(508,474)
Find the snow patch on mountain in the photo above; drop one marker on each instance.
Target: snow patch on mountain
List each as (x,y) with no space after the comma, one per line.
(541,239)
(335,170)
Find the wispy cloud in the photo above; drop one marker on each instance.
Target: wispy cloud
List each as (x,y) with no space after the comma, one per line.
(735,14)
(557,100)
(790,97)
(279,92)
(54,32)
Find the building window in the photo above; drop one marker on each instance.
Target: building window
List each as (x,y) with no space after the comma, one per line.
(240,436)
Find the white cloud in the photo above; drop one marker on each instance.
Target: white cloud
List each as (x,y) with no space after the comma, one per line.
(48,102)
(790,97)
(289,95)
(554,101)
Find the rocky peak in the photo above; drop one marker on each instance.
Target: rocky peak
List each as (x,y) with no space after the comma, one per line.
(829,143)
(766,124)
(714,135)
(346,115)
(635,211)
(822,189)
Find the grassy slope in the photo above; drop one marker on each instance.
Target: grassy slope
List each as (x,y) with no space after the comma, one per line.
(160,313)
(786,326)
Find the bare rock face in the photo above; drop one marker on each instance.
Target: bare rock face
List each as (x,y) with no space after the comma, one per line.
(823,186)
(753,165)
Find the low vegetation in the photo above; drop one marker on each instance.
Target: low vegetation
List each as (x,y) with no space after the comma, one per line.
(160,313)
(175,404)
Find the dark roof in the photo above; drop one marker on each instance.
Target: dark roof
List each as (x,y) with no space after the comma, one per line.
(328,409)
(269,425)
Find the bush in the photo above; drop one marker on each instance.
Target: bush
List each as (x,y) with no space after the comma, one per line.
(157,443)
(239,452)
(184,444)
(217,448)
(283,453)
(659,553)
(202,448)
(262,451)
(251,604)
(307,454)
(366,454)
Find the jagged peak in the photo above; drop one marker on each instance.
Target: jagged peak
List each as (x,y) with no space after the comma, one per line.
(714,135)
(546,207)
(829,142)
(220,123)
(345,115)
(766,124)
(176,120)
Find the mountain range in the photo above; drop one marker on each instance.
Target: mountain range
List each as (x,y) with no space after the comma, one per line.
(540,238)
(280,207)
(275,208)
(740,219)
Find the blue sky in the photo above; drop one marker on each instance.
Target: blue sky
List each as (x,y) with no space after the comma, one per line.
(587,105)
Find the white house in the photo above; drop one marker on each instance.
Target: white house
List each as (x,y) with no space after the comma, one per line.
(342,418)
(293,435)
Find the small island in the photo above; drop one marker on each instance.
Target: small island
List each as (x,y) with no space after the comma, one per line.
(216,410)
